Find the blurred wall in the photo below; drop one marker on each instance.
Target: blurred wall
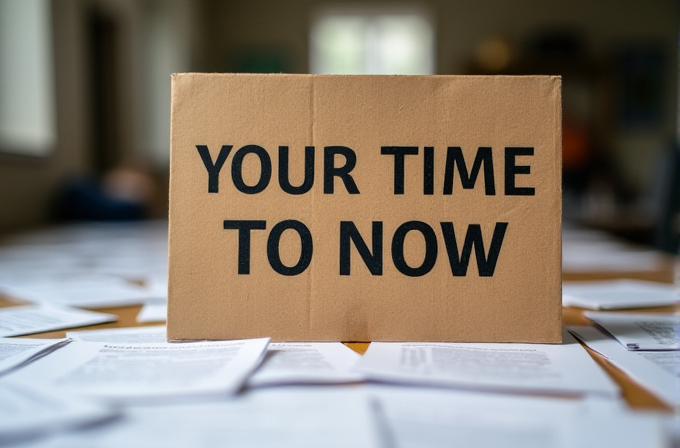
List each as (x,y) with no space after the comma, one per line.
(27,184)
(460,25)
(122,119)
(158,37)
(282,27)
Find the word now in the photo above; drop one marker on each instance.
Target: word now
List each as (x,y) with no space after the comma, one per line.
(455,160)
(373,258)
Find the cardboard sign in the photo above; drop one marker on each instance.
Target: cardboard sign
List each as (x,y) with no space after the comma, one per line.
(365,208)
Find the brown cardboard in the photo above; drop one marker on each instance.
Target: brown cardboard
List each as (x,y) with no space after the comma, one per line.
(209,299)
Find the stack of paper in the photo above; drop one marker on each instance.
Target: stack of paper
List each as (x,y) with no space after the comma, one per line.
(618,294)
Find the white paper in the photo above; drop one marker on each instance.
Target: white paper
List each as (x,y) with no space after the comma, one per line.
(153,312)
(15,353)
(147,371)
(433,418)
(86,291)
(306,362)
(138,335)
(21,320)
(28,413)
(313,417)
(585,250)
(618,294)
(284,362)
(89,265)
(560,368)
(656,371)
(158,280)
(623,429)
(638,331)
(589,258)
(673,427)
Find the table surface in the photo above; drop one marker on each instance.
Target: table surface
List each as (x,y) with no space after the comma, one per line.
(636,396)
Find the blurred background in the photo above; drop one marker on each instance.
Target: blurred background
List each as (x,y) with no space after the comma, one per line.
(85,90)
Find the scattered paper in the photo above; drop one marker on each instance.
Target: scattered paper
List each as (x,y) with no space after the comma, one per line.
(284,362)
(673,425)
(585,250)
(137,335)
(86,292)
(641,331)
(21,320)
(563,368)
(432,418)
(306,362)
(15,353)
(621,260)
(619,428)
(658,371)
(89,265)
(618,294)
(28,412)
(153,312)
(123,371)
(318,417)
(102,263)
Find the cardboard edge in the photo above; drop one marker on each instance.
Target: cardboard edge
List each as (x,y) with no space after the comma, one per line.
(175,81)
(557,93)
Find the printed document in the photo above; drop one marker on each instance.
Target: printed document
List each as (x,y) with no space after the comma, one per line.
(153,312)
(284,362)
(311,417)
(28,412)
(19,352)
(618,294)
(561,368)
(132,251)
(138,335)
(306,362)
(587,251)
(641,331)
(84,291)
(29,319)
(594,259)
(657,371)
(434,418)
(146,371)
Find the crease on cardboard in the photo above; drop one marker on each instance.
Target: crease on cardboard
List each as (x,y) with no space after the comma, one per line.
(513,210)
